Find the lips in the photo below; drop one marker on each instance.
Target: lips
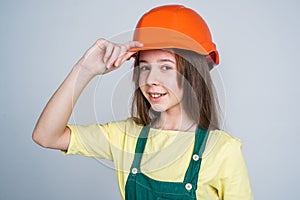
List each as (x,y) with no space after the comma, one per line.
(154,96)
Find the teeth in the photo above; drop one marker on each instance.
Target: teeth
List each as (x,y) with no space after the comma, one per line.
(155,95)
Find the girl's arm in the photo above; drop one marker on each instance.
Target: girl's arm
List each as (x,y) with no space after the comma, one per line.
(51,129)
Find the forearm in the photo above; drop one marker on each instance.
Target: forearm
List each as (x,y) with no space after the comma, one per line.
(102,57)
(52,123)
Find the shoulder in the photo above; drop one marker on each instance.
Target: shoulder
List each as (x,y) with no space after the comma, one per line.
(225,138)
(221,142)
(126,123)
(124,126)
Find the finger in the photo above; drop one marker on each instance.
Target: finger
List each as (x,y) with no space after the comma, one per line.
(108,51)
(126,56)
(114,56)
(123,51)
(133,44)
(102,44)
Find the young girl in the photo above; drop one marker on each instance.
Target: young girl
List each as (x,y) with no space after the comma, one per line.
(172,146)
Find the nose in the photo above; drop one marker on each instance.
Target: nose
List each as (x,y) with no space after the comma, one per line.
(153,77)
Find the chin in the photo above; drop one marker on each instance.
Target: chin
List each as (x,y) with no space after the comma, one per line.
(158,108)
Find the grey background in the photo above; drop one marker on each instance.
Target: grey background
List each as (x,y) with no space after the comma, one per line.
(41,40)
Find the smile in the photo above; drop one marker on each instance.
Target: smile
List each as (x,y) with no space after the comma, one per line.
(156,96)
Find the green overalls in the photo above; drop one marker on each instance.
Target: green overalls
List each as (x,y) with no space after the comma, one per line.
(141,187)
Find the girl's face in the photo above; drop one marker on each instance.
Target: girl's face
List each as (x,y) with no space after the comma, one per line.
(158,80)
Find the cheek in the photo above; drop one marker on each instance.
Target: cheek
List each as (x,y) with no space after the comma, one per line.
(177,93)
(142,80)
(143,89)
(171,83)
(175,90)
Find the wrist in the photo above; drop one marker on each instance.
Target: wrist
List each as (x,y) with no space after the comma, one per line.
(83,71)
(82,74)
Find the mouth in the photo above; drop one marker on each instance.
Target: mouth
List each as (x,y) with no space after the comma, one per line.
(156,96)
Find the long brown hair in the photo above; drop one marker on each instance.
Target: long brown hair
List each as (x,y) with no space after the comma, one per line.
(199,96)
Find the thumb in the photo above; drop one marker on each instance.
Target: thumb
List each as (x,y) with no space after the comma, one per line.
(124,58)
(127,56)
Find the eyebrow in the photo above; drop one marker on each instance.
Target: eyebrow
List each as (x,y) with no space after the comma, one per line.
(160,60)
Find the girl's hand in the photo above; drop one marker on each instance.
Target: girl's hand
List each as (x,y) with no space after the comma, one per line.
(105,56)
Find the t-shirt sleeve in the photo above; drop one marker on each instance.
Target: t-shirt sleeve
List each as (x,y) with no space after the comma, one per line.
(234,176)
(91,140)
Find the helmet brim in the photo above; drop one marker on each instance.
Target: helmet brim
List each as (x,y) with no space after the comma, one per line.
(161,38)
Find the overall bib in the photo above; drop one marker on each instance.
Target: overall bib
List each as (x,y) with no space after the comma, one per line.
(141,187)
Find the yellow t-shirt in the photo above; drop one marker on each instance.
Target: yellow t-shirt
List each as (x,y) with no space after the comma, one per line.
(223,174)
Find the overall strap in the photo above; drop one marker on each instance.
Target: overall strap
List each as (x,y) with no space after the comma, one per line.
(191,175)
(140,146)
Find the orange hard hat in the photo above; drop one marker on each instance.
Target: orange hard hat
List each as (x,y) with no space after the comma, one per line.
(175,26)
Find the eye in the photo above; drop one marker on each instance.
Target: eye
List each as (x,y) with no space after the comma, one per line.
(144,68)
(165,68)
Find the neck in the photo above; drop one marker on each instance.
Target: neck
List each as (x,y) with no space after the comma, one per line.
(175,121)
